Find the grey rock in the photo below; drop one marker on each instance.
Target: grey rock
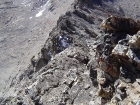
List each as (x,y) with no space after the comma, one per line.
(120,50)
(133,54)
(82,98)
(134,42)
(91,103)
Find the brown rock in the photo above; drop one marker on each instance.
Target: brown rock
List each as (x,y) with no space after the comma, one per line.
(121,24)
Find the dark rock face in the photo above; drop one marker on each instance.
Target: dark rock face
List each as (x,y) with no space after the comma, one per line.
(80,64)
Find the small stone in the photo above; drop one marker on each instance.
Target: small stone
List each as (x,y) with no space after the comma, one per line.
(122,85)
(120,50)
(138,80)
(118,97)
(134,55)
(42,92)
(137,86)
(87,86)
(100,101)
(103,65)
(135,41)
(91,103)
(105,92)
(101,77)
(102,81)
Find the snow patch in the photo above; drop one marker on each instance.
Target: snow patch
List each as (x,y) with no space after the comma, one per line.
(50,53)
(34,84)
(64,42)
(39,13)
(43,9)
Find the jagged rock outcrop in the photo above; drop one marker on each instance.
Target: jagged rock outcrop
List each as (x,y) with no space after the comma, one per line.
(121,70)
(80,63)
(121,24)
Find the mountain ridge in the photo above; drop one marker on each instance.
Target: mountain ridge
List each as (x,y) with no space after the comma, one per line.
(70,70)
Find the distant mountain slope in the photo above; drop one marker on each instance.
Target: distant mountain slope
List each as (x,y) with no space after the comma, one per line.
(24,27)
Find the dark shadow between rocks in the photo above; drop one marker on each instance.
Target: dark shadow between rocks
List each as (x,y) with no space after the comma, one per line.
(109,0)
(93,77)
(99,2)
(128,72)
(41,63)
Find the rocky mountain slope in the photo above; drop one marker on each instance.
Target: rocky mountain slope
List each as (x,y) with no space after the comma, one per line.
(24,28)
(81,63)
